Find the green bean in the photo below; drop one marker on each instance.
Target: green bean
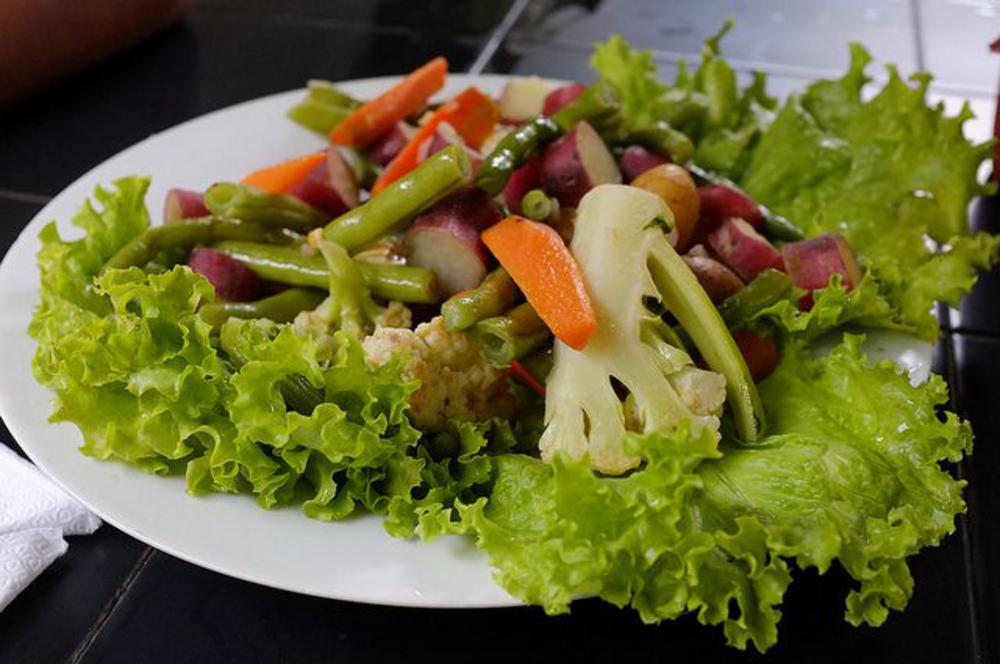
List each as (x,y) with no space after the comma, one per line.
(767,288)
(317,116)
(299,394)
(236,201)
(491,298)
(537,205)
(774,226)
(779,227)
(661,137)
(504,339)
(323,108)
(365,170)
(280,308)
(597,106)
(512,151)
(187,233)
(287,265)
(327,93)
(438,176)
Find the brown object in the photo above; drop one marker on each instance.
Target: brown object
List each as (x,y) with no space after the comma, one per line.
(674,185)
(759,352)
(44,40)
(810,263)
(718,280)
(743,250)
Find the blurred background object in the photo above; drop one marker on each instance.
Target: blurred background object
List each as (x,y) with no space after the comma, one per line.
(44,40)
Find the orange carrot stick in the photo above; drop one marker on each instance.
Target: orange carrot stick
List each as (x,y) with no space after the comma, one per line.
(372,119)
(471,113)
(541,265)
(280,178)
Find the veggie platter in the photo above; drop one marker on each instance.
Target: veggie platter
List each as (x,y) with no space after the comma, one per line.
(613,335)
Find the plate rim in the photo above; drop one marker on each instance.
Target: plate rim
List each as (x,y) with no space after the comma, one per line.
(18,426)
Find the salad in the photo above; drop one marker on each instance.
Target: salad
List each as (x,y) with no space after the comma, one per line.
(580,324)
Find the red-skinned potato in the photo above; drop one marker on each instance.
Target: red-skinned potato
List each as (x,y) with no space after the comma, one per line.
(576,163)
(698,250)
(675,186)
(636,160)
(233,281)
(331,187)
(719,202)
(523,98)
(444,136)
(183,204)
(561,96)
(810,263)
(386,147)
(759,352)
(520,182)
(445,239)
(745,251)
(718,280)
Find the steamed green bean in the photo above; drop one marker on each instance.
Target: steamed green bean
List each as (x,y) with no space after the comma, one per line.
(229,200)
(491,298)
(288,265)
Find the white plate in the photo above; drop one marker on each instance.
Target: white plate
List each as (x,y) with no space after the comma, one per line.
(354,560)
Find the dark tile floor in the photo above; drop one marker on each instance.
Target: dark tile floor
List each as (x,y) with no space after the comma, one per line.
(112,599)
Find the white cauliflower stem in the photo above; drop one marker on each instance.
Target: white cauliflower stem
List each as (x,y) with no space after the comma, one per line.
(615,245)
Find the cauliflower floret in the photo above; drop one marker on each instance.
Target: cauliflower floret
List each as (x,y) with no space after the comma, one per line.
(455,380)
(396,314)
(316,324)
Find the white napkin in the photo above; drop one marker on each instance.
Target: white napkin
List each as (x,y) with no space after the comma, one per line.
(35,514)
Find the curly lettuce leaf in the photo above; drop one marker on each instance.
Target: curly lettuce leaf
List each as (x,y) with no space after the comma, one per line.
(886,173)
(142,376)
(850,473)
(706,104)
(771,302)
(142,383)
(351,451)
(67,267)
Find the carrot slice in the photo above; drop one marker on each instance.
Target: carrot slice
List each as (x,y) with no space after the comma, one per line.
(280,178)
(471,113)
(541,265)
(374,118)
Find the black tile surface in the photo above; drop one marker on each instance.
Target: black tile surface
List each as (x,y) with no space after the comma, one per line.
(977,384)
(474,20)
(226,620)
(212,60)
(805,35)
(14,216)
(979,311)
(60,609)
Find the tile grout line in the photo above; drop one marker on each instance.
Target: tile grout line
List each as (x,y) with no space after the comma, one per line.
(499,35)
(111,606)
(24,197)
(956,399)
(978,335)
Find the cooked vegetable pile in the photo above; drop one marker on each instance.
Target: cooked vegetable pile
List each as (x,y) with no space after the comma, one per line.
(576,323)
